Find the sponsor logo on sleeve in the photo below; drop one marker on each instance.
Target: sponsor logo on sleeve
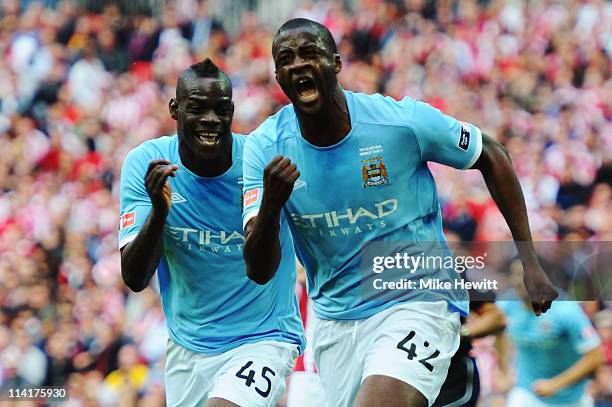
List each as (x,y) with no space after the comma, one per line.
(464,137)
(251,197)
(127,219)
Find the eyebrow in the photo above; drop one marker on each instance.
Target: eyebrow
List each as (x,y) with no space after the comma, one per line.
(300,48)
(309,45)
(204,98)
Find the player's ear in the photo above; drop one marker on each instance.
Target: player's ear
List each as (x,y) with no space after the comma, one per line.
(173,107)
(232,112)
(337,63)
(275,76)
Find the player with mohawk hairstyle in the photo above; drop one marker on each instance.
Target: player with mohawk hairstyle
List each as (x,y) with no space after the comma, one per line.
(232,342)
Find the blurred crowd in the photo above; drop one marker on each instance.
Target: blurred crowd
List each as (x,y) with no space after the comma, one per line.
(82,86)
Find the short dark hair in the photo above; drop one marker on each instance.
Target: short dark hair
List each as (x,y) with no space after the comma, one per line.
(206,69)
(203,69)
(320,29)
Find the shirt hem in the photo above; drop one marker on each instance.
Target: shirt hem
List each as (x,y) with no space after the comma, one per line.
(123,242)
(248,216)
(350,316)
(237,344)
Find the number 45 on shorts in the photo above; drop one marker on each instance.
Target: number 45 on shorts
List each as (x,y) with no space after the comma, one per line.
(249,378)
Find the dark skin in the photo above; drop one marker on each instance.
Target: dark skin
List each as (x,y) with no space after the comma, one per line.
(203,111)
(204,107)
(300,55)
(305,56)
(219,402)
(378,390)
(296,57)
(496,168)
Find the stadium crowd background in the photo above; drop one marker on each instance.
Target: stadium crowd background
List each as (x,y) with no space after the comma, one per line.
(81,86)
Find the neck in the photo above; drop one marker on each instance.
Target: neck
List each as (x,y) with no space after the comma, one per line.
(331,125)
(204,166)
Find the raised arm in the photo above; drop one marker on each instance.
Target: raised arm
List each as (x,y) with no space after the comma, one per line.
(262,248)
(140,257)
(496,167)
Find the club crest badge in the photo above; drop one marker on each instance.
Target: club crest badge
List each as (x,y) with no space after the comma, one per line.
(374,172)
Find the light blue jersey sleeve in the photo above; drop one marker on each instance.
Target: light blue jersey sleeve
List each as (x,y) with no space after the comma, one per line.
(253,165)
(442,138)
(134,201)
(581,334)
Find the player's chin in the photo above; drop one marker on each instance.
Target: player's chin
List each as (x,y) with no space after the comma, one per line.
(209,153)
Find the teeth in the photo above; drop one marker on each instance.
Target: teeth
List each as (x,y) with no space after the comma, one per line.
(208,138)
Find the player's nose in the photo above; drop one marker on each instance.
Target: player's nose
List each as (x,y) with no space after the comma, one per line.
(298,63)
(209,117)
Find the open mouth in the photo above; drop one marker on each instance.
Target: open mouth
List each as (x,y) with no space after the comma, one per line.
(208,138)
(306,89)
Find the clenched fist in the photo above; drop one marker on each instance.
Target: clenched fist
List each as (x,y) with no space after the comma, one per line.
(546,387)
(540,290)
(158,188)
(279,176)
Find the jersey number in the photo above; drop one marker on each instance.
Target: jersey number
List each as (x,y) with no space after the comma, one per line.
(250,378)
(411,351)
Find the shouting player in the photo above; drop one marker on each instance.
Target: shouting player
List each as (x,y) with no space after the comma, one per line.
(345,169)
(232,342)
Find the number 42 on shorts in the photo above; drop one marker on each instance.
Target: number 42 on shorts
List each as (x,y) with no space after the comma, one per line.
(250,378)
(411,351)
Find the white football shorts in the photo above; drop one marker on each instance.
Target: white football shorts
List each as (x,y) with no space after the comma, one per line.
(412,342)
(251,375)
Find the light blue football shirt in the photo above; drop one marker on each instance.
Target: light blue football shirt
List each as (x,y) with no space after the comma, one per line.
(210,304)
(549,344)
(374,185)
